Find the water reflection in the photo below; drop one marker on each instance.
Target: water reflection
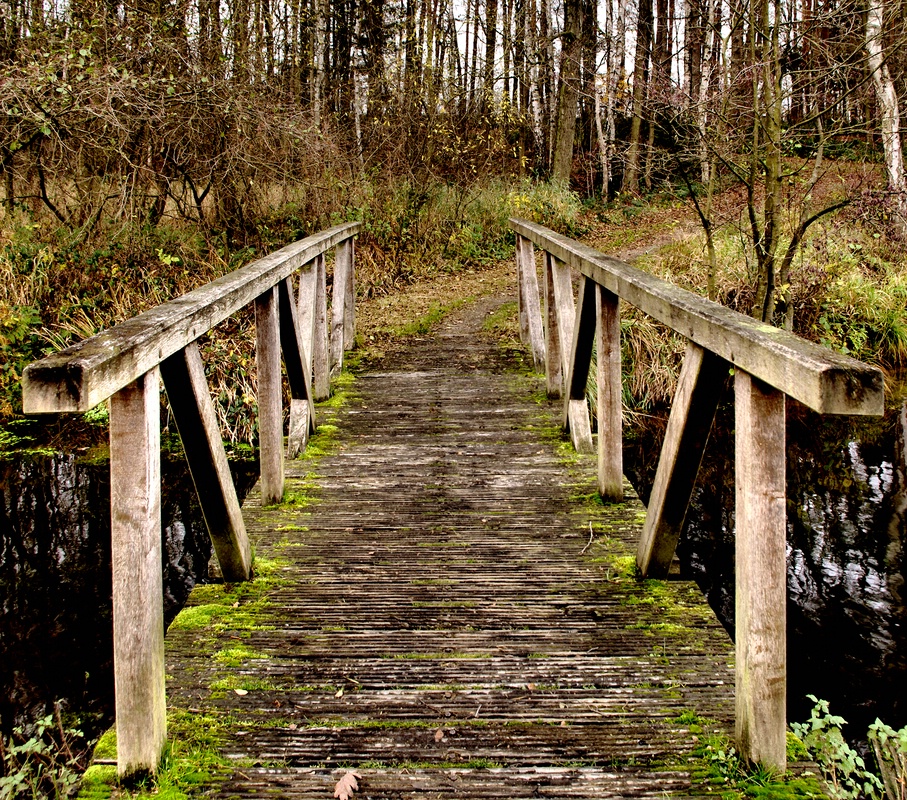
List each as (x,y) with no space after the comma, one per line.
(55,579)
(846,505)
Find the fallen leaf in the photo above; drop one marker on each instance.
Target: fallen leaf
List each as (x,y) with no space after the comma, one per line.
(339,693)
(346,786)
(241,692)
(439,735)
(530,687)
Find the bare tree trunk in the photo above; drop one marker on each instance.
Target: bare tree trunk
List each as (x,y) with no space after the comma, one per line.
(640,85)
(491,46)
(568,94)
(889,114)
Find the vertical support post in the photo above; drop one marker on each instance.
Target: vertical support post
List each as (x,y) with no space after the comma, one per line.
(196,421)
(761,572)
(520,290)
(554,378)
(609,408)
(270,406)
(299,371)
(699,390)
(339,300)
(138,599)
(577,416)
(530,307)
(305,309)
(320,346)
(349,306)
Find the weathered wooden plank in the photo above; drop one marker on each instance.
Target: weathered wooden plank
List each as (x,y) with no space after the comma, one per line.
(299,427)
(270,405)
(349,305)
(305,308)
(339,300)
(299,373)
(521,291)
(608,397)
(138,610)
(579,359)
(577,415)
(81,376)
(554,371)
(761,572)
(825,381)
(696,399)
(183,374)
(321,384)
(302,418)
(530,307)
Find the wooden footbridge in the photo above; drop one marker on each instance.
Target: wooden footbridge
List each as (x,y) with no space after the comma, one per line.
(437,603)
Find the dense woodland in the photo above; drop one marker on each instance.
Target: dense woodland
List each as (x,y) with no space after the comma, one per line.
(165,136)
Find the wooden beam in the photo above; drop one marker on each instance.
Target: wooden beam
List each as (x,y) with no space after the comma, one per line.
(609,393)
(138,610)
(339,300)
(183,374)
(521,290)
(349,305)
(299,373)
(81,376)
(270,397)
(321,384)
(699,389)
(577,415)
(579,360)
(554,371)
(531,329)
(761,572)
(827,382)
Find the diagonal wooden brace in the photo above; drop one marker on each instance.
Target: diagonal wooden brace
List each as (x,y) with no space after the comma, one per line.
(699,390)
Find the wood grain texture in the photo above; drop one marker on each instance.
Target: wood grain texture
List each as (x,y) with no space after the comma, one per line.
(339,299)
(530,305)
(609,410)
(299,370)
(138,610)
(81,376)
(523,314)
(441,581)
(576,418)
(554,363)
(349,304)
(819,378)
(761,572)
(270,396)
(183,374)
(699,391)
(321,352)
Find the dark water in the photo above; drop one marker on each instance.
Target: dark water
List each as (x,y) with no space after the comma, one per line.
(846,505)
(55,579)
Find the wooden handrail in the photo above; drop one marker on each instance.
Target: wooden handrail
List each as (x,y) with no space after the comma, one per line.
(85,374)
(125,363)
(821,379)
(768,364)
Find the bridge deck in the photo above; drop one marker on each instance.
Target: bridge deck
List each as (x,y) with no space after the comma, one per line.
(434,616)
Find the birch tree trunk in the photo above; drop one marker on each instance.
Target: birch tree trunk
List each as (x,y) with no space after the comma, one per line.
(889,114)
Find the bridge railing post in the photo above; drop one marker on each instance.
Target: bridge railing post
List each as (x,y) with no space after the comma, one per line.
(138,597)
(340,300)
(761,571)
(528,301)
(270,404)
(609,406)
(321,366)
